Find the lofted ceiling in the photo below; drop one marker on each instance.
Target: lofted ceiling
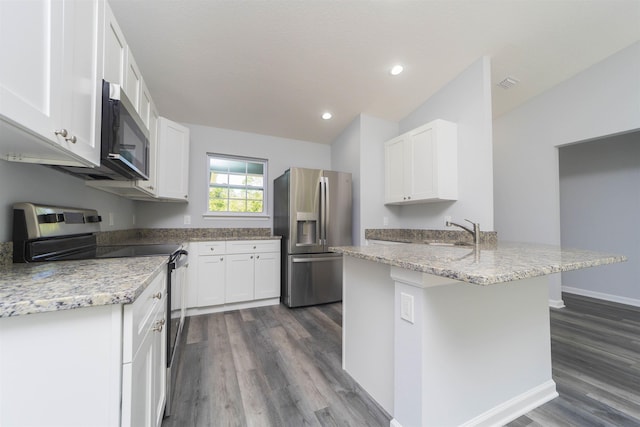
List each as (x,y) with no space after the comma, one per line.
(274,66)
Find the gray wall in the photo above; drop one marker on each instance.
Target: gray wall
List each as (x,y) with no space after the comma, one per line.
(466,100)
(600,210)
(23,182)
(603,100)
(359,150)
(282,153)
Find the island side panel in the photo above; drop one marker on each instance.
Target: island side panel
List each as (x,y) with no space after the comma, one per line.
(52,361)
(475,355)
(368,328)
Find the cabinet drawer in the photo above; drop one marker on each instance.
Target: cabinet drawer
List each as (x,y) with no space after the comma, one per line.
(143,315)
(249,246)
(208,248)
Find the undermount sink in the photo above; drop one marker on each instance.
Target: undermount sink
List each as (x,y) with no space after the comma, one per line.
(440,243)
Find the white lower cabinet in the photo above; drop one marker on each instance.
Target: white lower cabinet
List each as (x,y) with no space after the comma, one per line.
(234,271)
(211,271)
(101,366)
(144,357)
(240,277)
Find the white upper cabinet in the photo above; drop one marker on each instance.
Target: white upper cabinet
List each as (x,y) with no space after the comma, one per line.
(114,50)
(172,160)
(50,93)
(422,165)
(132,80)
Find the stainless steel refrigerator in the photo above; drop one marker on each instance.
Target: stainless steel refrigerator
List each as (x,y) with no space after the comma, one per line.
(312,211)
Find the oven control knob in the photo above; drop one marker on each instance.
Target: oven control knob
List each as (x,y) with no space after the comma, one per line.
(50,218)
(94,218)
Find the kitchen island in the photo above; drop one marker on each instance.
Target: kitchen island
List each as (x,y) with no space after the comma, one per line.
(453,335)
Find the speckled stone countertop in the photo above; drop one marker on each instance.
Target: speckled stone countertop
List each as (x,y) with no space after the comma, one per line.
(485,265)
(64,285)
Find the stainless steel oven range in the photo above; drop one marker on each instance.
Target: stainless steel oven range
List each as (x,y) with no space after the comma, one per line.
(44,233)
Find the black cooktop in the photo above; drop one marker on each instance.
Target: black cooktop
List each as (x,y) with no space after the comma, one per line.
(122,251)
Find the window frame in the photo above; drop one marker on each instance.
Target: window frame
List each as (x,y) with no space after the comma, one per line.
(265,186)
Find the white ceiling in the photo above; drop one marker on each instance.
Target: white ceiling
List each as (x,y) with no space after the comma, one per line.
(273,67)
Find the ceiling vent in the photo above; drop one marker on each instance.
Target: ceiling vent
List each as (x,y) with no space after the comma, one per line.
(508,82)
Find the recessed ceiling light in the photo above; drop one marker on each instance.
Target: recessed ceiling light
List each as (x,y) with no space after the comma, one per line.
(326,116)
(396,69)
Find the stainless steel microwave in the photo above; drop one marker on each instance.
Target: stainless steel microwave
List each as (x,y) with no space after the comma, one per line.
(125,139)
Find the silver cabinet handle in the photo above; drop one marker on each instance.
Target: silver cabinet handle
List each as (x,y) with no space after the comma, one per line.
(211,249)
(158,295)
(72,140)
(221,259)
(62,132)
(257,256)
(251,257)
(158,326)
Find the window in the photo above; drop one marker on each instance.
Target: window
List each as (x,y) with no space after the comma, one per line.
(237,185)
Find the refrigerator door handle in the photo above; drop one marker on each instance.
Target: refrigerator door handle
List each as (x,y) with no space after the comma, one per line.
(327,219)
(314,259)
(323,201)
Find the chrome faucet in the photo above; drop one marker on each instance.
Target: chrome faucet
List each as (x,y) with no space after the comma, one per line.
(475,232)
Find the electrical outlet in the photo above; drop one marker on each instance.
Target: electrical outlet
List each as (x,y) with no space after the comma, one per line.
(187,219)
(385,220)
(110,218)
(406,307)
(133,220)
(447,220)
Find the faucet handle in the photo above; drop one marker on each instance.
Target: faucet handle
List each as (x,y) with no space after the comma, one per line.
(475,224)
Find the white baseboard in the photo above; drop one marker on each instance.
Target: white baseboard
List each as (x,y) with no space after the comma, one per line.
(556,303)
(196,311)
(602,296)
(511,409)
(515,407)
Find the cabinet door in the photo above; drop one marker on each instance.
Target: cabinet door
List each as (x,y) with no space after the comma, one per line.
(82,85)
(211,278)
(132,80)
(239,283)
(145,103)
(137,387)
(115,50)
(159,374)
(394,170)
(173,160)
(267,275)
(421,164)
(31,42)
(150,185)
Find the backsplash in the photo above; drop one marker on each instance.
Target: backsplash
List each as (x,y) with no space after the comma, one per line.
(6,253)
(408,235)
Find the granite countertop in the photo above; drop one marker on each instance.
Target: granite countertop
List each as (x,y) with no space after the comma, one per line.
(485,265)
(63,285)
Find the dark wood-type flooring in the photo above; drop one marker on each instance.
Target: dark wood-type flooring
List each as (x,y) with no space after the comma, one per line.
(273,366)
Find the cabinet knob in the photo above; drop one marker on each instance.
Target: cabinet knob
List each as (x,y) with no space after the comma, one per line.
(251,257)
(257,256)
(186,197)
(221,259)
(409,198)
(211,249)
(158,326)
(158,295)
(62,132)
(72,140)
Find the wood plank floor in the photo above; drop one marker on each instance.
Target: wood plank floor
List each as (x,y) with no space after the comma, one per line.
(269,366)
(272,366)
(595,351)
